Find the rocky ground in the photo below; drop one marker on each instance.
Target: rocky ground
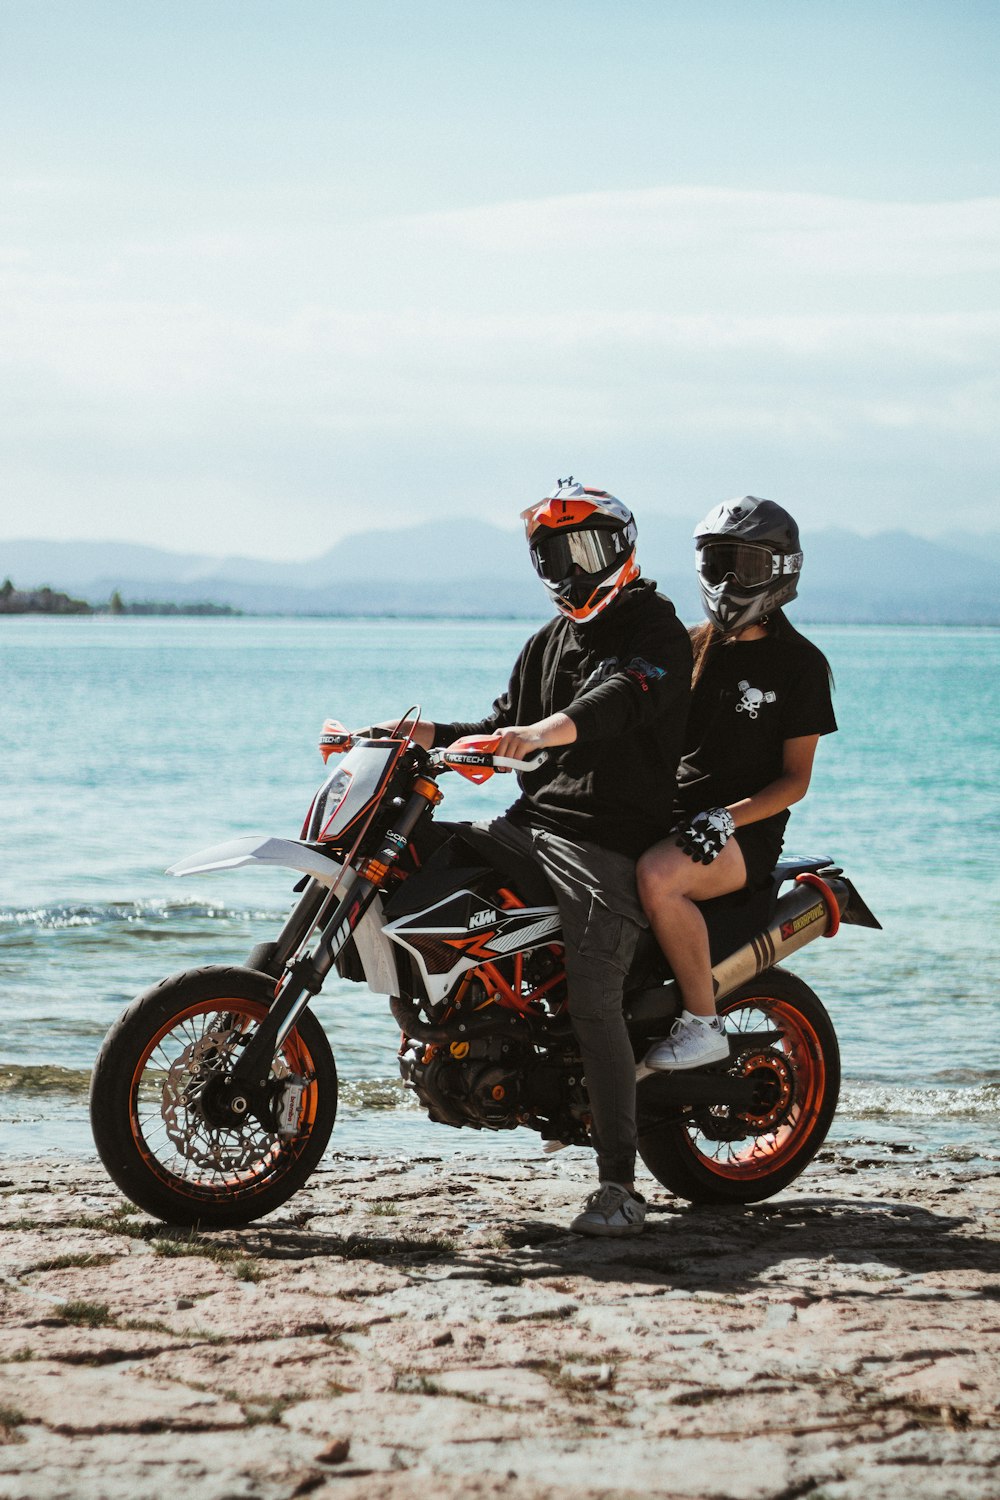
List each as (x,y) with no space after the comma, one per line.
(415,1329)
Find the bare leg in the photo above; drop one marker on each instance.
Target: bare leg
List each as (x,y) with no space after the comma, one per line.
(669,885)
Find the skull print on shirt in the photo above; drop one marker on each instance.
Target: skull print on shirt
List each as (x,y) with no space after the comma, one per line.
(753,699)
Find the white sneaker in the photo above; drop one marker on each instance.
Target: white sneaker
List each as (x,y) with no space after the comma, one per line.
(691,1044)
(612,1210)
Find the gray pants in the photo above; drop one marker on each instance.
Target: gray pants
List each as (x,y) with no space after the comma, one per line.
(601,919)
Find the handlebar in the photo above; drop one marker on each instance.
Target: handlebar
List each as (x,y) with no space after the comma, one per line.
(479,765)
(473,757)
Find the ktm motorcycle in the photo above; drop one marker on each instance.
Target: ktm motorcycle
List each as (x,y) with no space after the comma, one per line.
(215,1092)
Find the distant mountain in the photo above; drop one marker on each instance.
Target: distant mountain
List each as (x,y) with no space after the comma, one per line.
(895,576)
(980,544)
(79,564)
(472,568)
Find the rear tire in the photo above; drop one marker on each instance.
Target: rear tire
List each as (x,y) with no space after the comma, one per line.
(714,1155)
(150,1131)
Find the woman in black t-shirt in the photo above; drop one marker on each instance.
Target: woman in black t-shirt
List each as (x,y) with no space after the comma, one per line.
(760,702)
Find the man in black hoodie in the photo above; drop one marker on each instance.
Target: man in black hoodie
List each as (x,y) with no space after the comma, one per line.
(603,688)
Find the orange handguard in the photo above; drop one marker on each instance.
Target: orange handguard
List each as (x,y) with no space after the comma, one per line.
(474,746)
(334,739)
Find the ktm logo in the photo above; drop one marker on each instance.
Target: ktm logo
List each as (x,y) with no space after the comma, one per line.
(482,919)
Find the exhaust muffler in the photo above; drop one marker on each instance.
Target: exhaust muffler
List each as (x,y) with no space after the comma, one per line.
(812,908)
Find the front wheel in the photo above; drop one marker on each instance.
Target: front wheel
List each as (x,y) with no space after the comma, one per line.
(151,1102)
(714,1154)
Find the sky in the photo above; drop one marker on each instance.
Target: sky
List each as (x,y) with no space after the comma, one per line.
(273,273)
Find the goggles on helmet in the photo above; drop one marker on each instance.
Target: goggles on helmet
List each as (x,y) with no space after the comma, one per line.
(559,554)
(750,564)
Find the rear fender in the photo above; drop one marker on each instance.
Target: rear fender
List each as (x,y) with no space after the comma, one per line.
(856,911)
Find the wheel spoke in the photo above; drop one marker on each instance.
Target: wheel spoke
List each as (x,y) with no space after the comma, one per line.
(739,1145)
(177,1138)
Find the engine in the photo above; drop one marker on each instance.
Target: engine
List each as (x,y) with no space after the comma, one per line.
(496,1083)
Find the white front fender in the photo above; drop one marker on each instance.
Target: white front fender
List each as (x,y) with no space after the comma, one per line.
(254,850)
(373,947)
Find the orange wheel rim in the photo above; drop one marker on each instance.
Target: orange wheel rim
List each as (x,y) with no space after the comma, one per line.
(793,1078)
(159,1116)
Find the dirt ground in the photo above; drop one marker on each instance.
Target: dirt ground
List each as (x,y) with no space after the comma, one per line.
(418,1328)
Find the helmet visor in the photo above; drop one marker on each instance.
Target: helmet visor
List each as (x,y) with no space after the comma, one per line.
(749,564)
(558,555)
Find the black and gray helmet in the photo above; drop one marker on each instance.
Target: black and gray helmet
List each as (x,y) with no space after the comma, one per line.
(748,561)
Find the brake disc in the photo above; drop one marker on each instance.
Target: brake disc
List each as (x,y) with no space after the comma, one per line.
(230,1147)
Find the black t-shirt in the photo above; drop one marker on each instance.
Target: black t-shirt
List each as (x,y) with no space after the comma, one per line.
(751,697)
(624,679)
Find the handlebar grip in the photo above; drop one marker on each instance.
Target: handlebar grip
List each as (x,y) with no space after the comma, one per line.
(477,764)
(505,763)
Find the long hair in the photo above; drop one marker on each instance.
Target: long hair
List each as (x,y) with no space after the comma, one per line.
(703,640)
(706,638)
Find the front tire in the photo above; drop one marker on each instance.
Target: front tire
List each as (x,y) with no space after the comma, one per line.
(712,1154)
(152,1131)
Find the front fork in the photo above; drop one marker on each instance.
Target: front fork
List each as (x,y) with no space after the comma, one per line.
(334,917)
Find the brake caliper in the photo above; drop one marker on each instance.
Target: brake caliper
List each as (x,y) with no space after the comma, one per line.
(288,1106)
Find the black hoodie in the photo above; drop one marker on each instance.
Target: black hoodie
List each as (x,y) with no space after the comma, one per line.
(624,679)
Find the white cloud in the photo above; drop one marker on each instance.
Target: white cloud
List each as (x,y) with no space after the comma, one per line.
(807,234)
(636,319)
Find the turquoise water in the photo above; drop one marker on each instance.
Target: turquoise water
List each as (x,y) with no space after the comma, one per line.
(126,743)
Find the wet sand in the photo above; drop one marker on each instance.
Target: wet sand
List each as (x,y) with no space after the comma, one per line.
(414,1329)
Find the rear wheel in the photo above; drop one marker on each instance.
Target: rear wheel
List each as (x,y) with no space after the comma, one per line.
(155,1111)
(714,1154)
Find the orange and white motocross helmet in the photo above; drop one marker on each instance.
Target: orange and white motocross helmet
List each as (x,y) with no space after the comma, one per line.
(583,547)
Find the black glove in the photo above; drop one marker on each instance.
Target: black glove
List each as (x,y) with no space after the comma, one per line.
(706,835)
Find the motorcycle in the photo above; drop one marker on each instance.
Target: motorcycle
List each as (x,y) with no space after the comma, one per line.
(214,1094)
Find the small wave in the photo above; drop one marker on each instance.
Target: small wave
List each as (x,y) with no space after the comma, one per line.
(376,1093)
(44,1079)
(871,1101)
(126,913)
(859,1101)
(966,1075)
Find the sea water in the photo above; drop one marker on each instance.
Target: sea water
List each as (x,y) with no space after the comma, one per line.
(126,743)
